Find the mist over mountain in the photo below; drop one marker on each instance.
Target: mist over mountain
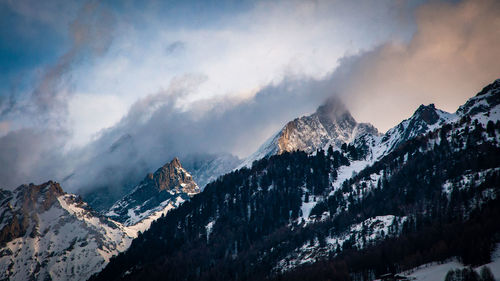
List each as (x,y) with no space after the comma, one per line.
(378,204)
(250,140)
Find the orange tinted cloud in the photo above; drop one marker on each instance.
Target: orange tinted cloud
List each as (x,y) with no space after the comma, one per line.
(453,54)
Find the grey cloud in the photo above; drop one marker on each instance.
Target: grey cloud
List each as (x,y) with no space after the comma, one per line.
(145,140)
(91,34)
(28,155)
(35,152)
(175,47)
(453,57)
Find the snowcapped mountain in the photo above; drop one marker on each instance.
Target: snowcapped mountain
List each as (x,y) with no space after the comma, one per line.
(47,234)
(348,210)
(331,124)
(158,193)
(484,106)
(425,119)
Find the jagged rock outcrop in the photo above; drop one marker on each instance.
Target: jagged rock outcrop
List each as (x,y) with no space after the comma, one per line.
(165,189)
(331,124)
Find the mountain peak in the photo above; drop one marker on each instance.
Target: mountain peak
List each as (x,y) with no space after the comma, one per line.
(42,228)
(426,107)
(159,192)
(485,101)
(42,196)
(493,87)
(331,124)
(175,162)
(427,113)
(171,175)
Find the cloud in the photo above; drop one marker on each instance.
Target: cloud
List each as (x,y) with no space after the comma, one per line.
(158,127)
(28,155)
(452,55)
(91,34)
(34,127)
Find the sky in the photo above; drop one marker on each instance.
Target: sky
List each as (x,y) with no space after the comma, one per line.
(94,90)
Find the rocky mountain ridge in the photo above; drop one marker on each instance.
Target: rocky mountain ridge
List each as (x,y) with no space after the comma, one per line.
(331,125)
(159,192)
(47,234)
(323,214)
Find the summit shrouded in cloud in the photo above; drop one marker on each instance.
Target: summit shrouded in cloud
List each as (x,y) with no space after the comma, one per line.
(319,140)
(97,93)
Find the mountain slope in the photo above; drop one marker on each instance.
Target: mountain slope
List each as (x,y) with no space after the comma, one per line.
(47,234)
(331,124)
(159,192)
(294,209)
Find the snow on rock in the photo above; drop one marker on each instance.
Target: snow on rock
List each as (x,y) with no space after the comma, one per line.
(331,124)
(359,235)
(468,180)
(61,238)
(158,193)
(209,228)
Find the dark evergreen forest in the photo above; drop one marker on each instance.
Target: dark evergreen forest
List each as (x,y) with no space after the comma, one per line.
(256,214)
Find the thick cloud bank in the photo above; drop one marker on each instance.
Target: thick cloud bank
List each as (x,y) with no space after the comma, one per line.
(453,53)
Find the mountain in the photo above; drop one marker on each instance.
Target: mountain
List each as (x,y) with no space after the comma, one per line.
(204,167)
(331,124)
(47,234)
(159,192)
(425,191)
(484,104)
(425,119)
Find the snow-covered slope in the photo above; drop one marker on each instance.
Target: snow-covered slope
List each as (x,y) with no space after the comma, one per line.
(484,107)
(425,119)
(331,124)
(46,234)
(158,193)
(360,235)
(437,271)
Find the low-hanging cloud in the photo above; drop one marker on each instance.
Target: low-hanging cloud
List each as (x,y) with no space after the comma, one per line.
(157,128)
(452,55)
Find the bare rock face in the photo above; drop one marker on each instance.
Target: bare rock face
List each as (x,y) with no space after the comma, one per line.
(20,208)
(173,177)
(331,124)
(159,192)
